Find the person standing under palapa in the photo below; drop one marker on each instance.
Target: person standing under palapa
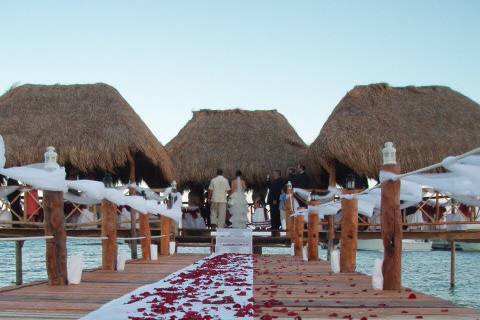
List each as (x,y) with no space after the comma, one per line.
(300,179)
(238,205)
(217,196)
(275,189)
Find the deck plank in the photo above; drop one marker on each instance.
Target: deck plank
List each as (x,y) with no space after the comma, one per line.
(311,291)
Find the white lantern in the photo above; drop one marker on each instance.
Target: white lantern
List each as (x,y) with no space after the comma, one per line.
(389,154)
(51,159)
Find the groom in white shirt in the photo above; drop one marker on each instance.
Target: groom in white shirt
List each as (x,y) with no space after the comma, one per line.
(217,195)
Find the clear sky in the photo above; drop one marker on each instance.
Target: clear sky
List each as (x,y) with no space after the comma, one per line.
(300,57)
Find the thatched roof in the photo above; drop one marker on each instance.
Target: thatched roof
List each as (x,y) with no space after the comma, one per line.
(92,127)
(255,142)
(426,124)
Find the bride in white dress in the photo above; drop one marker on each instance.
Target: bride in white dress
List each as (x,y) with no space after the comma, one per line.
(237,204)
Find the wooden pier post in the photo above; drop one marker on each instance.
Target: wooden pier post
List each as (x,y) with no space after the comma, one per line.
(145,232)
(299,227)
(452,263)
(165,241)
(348,237)
(391,223)
(56,248)
(312,243)
(18,262)
(109,230)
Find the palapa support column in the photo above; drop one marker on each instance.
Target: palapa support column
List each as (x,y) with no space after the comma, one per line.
(133,212)
(299,228)
(391,222)
(348,237)
(313,229)
(165,241)
(109,230)
(145,232)
(56,248)
(332,182)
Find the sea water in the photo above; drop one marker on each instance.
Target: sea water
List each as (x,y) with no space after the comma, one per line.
(33,255)
(427,272)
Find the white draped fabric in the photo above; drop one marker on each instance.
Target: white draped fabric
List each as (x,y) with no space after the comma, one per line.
(462,182)
(37,177)
(93,192)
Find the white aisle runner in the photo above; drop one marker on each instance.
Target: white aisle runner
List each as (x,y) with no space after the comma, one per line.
(229,240)
(217,287)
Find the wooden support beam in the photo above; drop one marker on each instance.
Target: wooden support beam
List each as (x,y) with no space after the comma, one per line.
(348,236)
(145,232)
(165,241)
(133,213)
(312,243)
(332,182)
(56,248)
(330,235)
(109,229)
(392,234)
(18,262)
(299,228)
(452,263)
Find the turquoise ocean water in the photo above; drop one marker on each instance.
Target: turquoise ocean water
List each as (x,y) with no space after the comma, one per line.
(427,272)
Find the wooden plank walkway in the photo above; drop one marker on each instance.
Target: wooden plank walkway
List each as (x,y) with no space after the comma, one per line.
(284,287)
(40,301)
(287,287)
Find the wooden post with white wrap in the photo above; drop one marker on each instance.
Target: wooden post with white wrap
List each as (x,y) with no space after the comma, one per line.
(391,222)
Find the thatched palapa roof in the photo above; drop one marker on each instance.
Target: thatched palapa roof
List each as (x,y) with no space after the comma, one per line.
(255,142)
(92,127)
(425,124)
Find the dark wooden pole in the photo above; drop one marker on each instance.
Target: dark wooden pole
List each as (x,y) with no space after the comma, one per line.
(133,213)
(18,262)
(56,248)
(392,234)
(332,182)
(312,244)
(165,241)
(109,229)
(299,226)
(452,263)
(348,238)
(145,232)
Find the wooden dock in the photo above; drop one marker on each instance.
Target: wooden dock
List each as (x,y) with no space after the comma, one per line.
(40,301)
(284,286)
(287,287)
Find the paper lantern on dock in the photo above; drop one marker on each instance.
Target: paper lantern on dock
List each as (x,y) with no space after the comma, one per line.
(51,159)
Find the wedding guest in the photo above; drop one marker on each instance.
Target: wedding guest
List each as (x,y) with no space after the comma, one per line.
(291,175)
(217,196)
(275,190)
(300,179)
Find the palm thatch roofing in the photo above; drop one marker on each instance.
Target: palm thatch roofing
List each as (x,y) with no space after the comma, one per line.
(426,124)
(255,142)
(92,127)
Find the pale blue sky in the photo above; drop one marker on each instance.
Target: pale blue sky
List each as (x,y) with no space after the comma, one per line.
(300,57)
